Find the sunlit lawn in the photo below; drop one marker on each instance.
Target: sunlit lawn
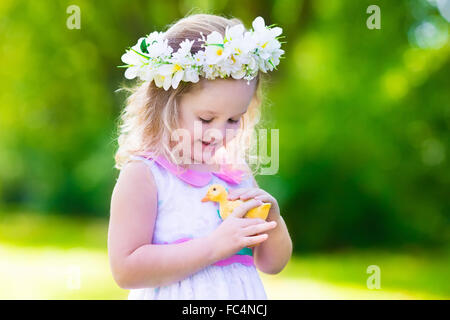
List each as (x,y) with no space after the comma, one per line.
(41,257)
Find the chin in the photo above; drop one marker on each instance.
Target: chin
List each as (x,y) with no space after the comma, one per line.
(206,156)
(206,159)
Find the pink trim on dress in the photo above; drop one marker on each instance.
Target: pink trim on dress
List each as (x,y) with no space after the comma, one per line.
(181,240)
(199,178)
(232,176)
(176,241)
(236,258)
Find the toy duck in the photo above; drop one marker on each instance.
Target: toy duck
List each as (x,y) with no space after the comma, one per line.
(219,193)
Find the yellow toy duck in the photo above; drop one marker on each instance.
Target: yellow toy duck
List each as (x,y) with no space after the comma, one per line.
(219,193)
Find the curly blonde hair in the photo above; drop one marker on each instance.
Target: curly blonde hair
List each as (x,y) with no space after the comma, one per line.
(151,113)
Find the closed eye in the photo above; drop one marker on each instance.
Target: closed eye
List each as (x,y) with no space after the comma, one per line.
(208,121)
(205,121)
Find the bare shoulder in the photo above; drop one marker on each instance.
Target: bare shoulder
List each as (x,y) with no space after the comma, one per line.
(135,186)
(136,171)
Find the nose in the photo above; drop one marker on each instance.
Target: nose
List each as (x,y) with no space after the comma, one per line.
(218,133)
(215,135)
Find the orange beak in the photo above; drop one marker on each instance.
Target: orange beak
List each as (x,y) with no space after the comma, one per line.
(206,199)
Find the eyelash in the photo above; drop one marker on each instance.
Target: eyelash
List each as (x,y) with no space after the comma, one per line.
(208,121)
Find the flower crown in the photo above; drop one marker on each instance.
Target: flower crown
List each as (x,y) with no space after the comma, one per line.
(240,54)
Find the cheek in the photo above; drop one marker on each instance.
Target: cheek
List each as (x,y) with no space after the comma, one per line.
(187,125)
(191,136)
(232,130)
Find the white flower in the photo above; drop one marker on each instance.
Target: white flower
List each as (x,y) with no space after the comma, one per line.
(199,58)
(210,71)
(234,33)
(236,51)
(183,55)
(214,51)
(265,38)
(238,73)
(239,54)
(181,64)
(155,36)
(157,46)
(135,61)
(191,75)
(163,76)
(231,65)
(147,72)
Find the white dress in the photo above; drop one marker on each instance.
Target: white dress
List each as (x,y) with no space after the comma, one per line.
(182,215)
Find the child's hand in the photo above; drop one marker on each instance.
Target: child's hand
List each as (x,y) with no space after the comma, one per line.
(257,194)
(236,232)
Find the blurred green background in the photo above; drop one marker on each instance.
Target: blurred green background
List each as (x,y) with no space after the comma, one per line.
(363,117)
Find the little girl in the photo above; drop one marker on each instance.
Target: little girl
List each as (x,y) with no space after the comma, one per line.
(201,83)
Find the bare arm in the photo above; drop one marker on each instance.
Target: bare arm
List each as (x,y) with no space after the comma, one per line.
(134,261)
(272,255)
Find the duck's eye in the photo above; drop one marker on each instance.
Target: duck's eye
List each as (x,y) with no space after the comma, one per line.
(214,189)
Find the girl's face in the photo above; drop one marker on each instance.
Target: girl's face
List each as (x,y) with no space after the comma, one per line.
(212,113)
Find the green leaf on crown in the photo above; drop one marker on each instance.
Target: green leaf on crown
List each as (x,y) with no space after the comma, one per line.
(144,46)
(142,55)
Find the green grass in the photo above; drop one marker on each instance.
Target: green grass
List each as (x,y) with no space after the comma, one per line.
(344,275)
(427,273)
(40,257)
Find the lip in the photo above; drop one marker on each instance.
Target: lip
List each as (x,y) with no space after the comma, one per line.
(207,145)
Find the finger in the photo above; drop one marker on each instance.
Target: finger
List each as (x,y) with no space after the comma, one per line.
(240,211)
(250,241)
(263,198)
(258,228)
(251,194)
(235,193)
(251,221)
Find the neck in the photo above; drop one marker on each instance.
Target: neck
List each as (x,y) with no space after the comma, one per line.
(203,167)
(222,199)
